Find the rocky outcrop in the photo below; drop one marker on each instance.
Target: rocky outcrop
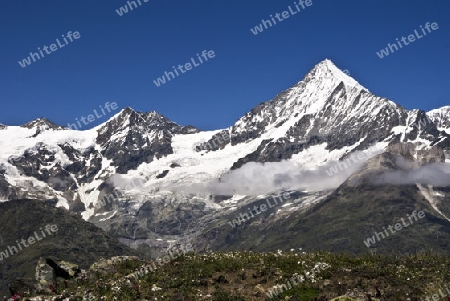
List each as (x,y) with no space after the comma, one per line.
(45,276)
(51,275)
(41,125)
(133,138)
(110,265)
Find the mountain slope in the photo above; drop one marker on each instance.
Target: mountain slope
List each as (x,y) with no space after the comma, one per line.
(74,241)
(347,219)
(441,117)
(148,180)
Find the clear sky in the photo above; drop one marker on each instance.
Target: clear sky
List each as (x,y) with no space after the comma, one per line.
(117,58)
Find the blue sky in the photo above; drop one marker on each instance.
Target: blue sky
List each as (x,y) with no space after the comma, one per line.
(117,58)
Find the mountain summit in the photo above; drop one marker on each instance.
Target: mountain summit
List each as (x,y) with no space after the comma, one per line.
(143,178)
(42,124)
(326,69)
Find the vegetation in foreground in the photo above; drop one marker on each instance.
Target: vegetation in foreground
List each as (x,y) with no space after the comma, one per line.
(250,276)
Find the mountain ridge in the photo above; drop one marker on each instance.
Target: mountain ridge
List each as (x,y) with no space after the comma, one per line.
(324,69)
(143,178)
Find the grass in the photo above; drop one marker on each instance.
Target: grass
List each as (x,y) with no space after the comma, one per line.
(248,276)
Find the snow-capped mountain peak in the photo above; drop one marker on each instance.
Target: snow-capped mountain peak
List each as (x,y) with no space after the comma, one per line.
(442,112)
(42,124)
(326,69)
(129,119)
(441,117)
(324,117)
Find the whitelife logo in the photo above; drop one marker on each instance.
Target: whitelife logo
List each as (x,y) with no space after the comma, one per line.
(284,15)
(188,66)
(289,284)
(91,118)
(371,240)
(27,61)
(172,254)
(216,141)
(411,38)
(245,217)
(124,9)
(31,240)
(357,158)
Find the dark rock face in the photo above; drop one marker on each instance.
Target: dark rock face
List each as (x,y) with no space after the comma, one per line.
(141,137)
(39,163)
(338,130)
(6,190)
(163,174)
(253,157)
(217,141)
(41,125)
(85,172)
(349,116)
